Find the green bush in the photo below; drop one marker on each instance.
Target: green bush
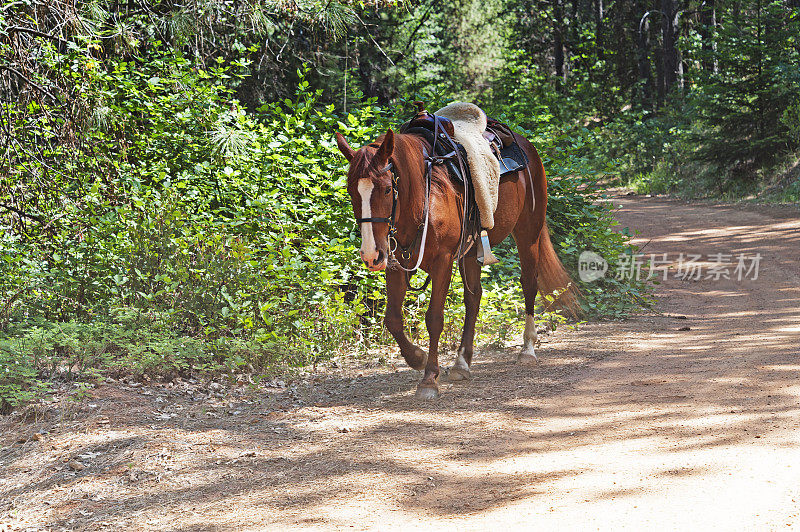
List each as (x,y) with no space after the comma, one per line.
(19,380)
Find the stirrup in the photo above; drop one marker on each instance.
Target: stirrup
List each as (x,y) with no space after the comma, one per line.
(485,256)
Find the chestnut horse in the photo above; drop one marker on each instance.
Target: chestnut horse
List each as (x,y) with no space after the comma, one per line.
(371,188)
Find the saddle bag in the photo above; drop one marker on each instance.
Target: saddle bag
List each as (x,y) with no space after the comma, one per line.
(512,159)
(508,152)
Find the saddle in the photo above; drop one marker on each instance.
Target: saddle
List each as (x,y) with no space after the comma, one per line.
(438,131)
(497,134)
(426,120)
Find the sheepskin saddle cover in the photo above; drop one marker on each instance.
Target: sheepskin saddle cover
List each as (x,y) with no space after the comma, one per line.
(469,122)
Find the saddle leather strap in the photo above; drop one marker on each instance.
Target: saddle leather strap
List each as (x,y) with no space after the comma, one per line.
(463,247)
(426,215)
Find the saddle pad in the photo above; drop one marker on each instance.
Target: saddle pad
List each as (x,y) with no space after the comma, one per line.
(469,123)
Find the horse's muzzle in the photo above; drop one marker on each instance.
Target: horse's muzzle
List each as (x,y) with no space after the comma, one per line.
(378,263)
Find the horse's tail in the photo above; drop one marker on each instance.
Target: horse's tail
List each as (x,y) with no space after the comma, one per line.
(553,276)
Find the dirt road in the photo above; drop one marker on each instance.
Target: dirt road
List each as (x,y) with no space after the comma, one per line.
(685,419)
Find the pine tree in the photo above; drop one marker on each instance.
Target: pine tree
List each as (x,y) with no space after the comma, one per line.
(758,78)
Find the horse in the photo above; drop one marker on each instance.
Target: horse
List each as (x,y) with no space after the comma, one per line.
(386,179)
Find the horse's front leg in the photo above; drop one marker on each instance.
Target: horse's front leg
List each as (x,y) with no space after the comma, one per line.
(395,294)
(434,320)
(471,274)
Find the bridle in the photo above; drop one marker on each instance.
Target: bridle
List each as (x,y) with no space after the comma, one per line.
(389,168)
(405,253)
(393,243)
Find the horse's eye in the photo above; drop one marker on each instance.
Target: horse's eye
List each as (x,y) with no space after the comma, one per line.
(388,190)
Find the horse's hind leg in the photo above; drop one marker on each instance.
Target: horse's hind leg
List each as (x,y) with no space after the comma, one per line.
(395,294)
(529,260)
(471,274)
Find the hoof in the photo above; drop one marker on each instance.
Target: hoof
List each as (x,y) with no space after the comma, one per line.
(457,373)
(427,394)
(527,359)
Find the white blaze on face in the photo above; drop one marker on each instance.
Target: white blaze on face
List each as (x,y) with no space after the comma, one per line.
(369,251)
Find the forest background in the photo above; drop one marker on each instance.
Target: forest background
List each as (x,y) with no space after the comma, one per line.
(172,201)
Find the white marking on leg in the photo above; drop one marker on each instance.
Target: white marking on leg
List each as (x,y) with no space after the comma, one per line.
(461,362)
(460,370)
(369,251)
(529,338)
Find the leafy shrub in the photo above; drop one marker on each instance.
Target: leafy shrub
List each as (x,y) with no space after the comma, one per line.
(18,377)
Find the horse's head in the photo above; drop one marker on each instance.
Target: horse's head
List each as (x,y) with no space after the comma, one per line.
(369,183)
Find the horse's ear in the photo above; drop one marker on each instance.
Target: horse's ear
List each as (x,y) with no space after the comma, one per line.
(387,147)
(344,147)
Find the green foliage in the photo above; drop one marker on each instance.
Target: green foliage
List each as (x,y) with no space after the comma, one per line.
(791,120)
(579,215)
(206,196)
(733,125)
(580,219)
(19,381)
(127,342)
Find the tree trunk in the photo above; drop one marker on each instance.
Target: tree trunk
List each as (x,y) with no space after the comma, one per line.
(558,43)
(643,61)
(598,27)
(669,37)
(708,31)
(571,40)
(660,85)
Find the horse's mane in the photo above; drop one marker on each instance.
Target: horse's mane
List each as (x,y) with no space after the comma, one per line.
(409,164)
